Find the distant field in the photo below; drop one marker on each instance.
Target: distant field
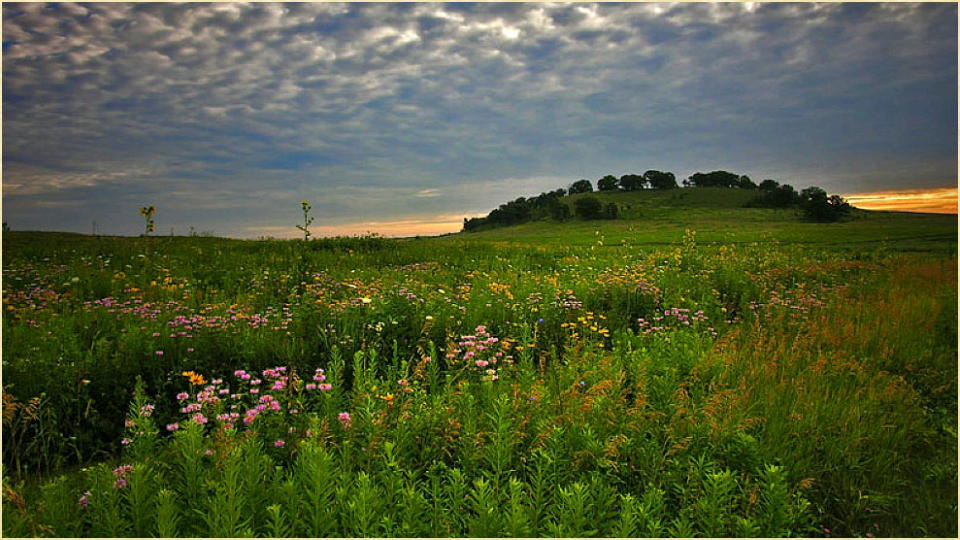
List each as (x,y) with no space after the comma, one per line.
(692,369)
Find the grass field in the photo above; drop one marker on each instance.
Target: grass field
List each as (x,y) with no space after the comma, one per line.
(692,369)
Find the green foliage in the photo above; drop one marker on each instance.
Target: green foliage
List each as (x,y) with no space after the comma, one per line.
(588,208)
(769,388)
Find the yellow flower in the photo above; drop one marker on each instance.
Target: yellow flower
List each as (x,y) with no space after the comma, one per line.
(194,378)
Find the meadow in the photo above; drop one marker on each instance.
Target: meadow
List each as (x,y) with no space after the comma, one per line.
(693,370)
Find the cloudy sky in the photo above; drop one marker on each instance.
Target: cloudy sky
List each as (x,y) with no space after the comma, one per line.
(405,118)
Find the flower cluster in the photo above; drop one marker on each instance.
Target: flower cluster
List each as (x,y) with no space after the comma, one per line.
(479,351)
(569,301)
(674,319)
(120,473)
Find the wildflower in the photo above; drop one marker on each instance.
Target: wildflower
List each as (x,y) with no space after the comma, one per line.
(194,378)
(173,427)
(279,443)
(311,386)
(119,483)
(125,441)
(183,395)
(199,418)
(84,501)
(159,353)
(344,419)
(208,452)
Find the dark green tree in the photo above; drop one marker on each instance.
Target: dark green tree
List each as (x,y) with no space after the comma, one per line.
(746,183)
(581,186)
(589,208)
(819,207)
(611,211)
(768,185)
(660,180)
(608,183)
(632,182)
(779,196)
(713,179)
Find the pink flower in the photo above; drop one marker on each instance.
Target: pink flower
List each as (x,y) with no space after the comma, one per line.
(183,395)
(344,418)
(85,500)
(159,353)
(173,427)
(279,443)
(311,386)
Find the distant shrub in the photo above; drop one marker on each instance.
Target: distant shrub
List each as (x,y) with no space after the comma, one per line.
(589,208)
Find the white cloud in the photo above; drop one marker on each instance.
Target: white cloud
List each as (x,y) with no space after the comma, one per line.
(435,100)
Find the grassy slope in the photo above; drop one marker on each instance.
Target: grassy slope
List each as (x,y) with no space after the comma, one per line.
(717,215)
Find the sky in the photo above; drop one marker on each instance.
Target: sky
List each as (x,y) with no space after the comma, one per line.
(402,119)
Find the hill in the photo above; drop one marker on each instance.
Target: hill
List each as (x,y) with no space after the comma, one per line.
(718,215)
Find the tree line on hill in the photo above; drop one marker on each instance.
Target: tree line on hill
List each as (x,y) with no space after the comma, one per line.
(813,201)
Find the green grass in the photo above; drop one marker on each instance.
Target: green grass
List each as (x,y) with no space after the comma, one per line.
(702,370)
(656,218)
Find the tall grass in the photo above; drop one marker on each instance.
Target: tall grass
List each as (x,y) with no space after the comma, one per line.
(373,387)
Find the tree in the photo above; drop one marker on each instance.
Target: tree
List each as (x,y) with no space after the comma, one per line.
(632,182)
(779,196)
(611,211)
(560,212)
(589,208)
(607,183)
(746,183)
(817,206)
(713,179)
(768,185)
(581,186)
(660,180)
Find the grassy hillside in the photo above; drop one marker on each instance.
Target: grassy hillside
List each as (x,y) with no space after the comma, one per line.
(717,215)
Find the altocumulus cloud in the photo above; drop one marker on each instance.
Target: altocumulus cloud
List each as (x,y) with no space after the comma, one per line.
(227,115)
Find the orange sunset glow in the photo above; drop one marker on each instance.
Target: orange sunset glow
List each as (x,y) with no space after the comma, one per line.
(932,201)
